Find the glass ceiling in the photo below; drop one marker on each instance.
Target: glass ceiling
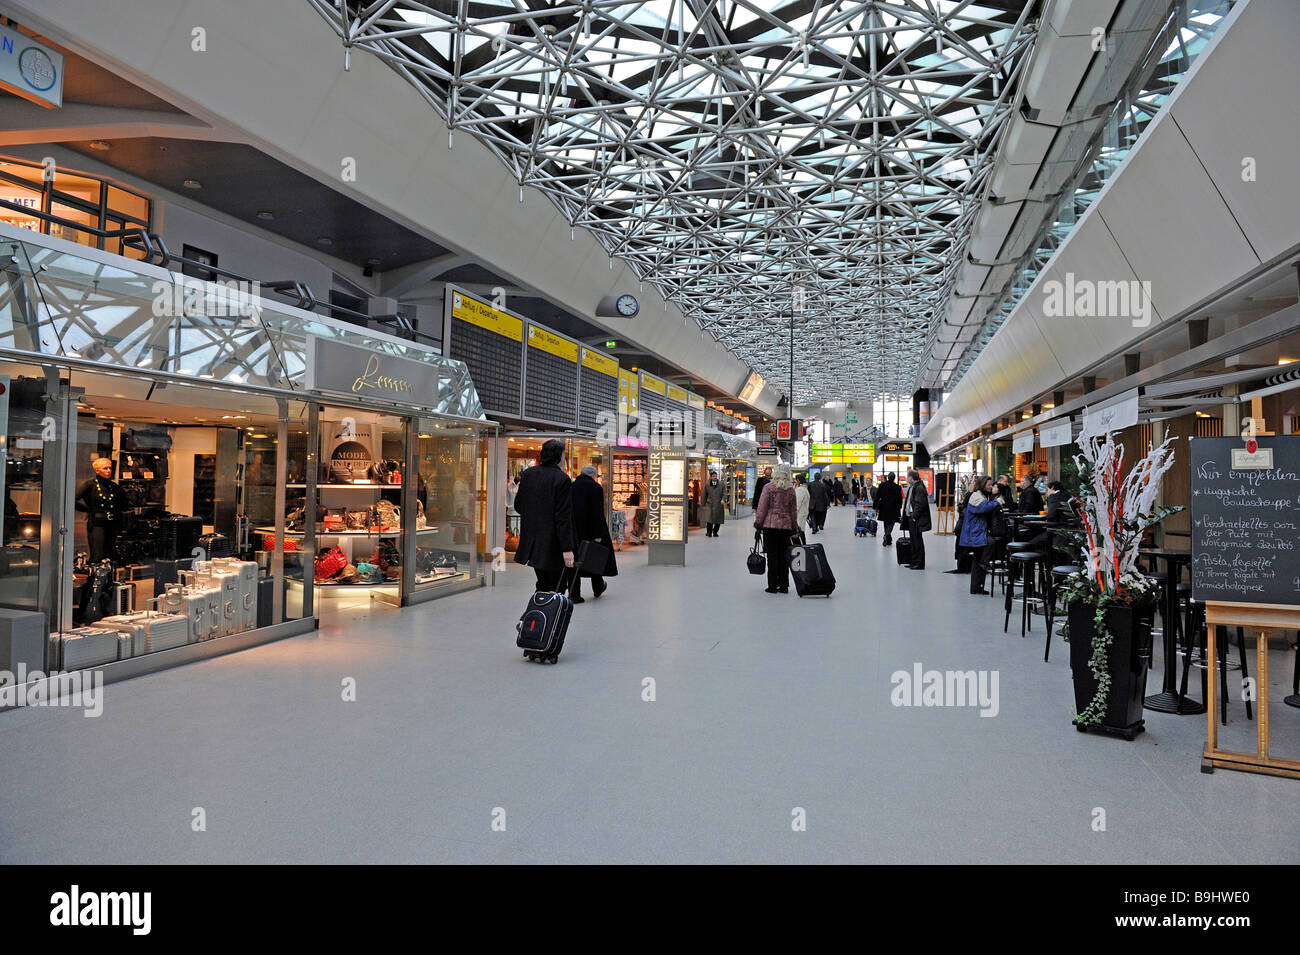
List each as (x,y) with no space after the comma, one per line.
(757,161)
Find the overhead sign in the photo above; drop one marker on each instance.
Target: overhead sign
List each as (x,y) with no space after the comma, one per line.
(362,373)
(485,316)
(1023,443)
(552,344)
(653,384)
(1114,415)
(753,385)
(785,429)
(1056,433)
(857,453)
(30,69)
(598,362)
(677,394)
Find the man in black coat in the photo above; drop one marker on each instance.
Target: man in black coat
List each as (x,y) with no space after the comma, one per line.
(589,525)
(889,505)
(1031,502)
(545,505)
(818,501)
(761,483)
(916,505)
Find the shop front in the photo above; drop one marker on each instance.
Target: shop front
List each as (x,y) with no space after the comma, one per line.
(521,450)
(191,469)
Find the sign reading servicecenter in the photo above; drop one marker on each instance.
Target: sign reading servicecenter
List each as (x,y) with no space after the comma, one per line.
(30,69)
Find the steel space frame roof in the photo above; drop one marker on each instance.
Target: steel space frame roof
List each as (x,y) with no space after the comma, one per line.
(757,161)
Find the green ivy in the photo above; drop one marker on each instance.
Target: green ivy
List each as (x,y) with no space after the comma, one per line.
(1079,590)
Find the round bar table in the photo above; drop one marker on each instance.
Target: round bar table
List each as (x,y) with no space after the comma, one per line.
(1169,700)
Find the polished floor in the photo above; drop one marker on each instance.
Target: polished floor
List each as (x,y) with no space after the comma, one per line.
(767,712)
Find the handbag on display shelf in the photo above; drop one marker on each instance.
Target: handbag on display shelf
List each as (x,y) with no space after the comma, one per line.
(356,520)
(334,519)
(290,543)
(330,564)
(388,516)
(370,574)
(421,522)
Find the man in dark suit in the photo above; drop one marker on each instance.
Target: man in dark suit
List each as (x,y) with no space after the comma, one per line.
(1031,502)
(761,483)
(545,505)
(889,505)
(1058,504)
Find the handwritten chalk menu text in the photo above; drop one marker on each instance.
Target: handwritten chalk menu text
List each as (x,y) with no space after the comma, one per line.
(1246,523)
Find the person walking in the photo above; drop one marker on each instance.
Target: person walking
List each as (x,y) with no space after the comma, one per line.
(714,504)
(975,536)
(545,505)
(803,500)
(760,484)
(916,505)
(889,505)
(589,525)
(839,491)
(818,501)
(776,517)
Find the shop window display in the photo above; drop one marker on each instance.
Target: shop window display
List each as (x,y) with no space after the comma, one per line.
(447,520)
(22,424)
(163,553)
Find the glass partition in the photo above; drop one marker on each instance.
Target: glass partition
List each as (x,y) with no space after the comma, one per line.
(449,521)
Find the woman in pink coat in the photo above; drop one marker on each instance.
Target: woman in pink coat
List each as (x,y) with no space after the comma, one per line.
(777,518)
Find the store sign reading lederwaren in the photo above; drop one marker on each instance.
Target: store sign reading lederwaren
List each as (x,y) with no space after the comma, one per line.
(351,370)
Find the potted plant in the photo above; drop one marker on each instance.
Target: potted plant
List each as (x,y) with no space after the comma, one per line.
(1110,605)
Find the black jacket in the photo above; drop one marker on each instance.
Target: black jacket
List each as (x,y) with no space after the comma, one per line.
(545,508)
(589,520)
(917,505)
(103,504)
(889,502)
(1031,502)
(818,499)
(1058,507)
(758,490)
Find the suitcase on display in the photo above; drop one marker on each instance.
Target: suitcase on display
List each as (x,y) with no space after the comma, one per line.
(811,571)
(180,535)
(246,580)
(215,545)
(162,631)
(223,587)
(87,647)
(192,604)
(128,625)
(544,623)
(903,550)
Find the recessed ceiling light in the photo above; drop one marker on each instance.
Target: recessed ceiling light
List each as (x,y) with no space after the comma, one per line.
(324,240)
(265,214)
(100,144)
(192,184)
(373,262)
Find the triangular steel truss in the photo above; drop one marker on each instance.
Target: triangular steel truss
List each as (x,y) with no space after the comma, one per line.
(755,160)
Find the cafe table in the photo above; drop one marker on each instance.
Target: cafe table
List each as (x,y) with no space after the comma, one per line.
(1169,700)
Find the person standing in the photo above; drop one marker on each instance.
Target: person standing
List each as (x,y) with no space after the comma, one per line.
(104,503)
(545,505)
(1031,502)
(715,507)
(974,535)
(818,501)
(803,500)
(889,505)
(916,505)
(839,491)
(761,483)
(776,518)
(1002,490)
(589,525)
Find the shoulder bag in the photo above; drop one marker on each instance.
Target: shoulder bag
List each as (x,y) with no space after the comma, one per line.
(756,562)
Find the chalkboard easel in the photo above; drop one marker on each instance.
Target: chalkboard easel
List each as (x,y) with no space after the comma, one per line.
(1261,618)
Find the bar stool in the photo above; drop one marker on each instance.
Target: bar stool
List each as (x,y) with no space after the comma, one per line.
(1031,565)
(1221,646)
(1058,574)
(997,568)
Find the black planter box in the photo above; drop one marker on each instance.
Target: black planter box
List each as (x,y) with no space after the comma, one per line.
(1130,659)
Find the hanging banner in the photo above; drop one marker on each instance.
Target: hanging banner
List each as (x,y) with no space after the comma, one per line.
(1114,415)
(1056,433)
(1023,443)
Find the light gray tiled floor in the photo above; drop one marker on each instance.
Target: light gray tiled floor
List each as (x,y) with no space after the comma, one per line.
(763,704)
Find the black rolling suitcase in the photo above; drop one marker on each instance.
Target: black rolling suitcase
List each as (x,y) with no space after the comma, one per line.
(903,550)
(811,571)
(544,623)
(180,535)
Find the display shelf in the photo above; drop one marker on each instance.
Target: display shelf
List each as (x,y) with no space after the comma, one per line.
(393,533)
(367,485)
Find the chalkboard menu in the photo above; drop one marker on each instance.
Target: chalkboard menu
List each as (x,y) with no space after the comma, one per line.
(1246,521)
(598,388)
(490,343)
(551,390)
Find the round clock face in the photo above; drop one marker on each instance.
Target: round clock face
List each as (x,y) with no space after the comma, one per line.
(627,306)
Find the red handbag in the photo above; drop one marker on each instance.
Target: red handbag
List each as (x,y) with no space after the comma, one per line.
(330,564)
(268,543)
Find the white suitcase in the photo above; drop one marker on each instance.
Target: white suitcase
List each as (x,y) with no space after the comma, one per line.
(88,647)
(192,604)
(162,631)
(211,574)
(131,626)
(246,609)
